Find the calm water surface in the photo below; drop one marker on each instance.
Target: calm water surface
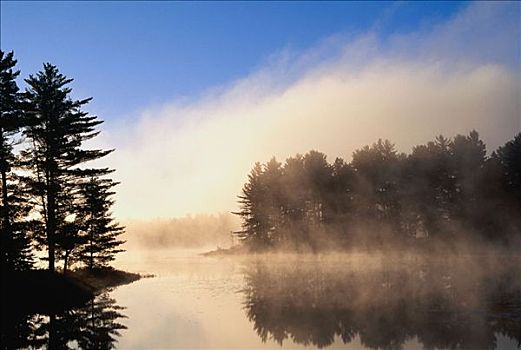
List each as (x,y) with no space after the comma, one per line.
(336,301)
(354,302)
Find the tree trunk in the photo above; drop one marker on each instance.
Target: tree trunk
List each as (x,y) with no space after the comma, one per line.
(5,232)
(51,225)
(65,261)
(91,243)
(91,259)
(6,239)
(52,341)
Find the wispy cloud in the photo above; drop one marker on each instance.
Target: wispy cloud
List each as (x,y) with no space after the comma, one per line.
(189,157)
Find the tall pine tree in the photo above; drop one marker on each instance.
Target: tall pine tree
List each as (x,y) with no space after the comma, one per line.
(14,243)
(255,225)
(57,130)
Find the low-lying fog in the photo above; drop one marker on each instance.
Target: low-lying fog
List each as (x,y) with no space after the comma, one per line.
(355,301)
(191,231)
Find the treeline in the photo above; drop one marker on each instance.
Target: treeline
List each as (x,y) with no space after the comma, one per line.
(446,192)
(51,201)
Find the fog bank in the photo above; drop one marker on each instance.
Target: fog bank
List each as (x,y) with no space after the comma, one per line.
(191,231)
(192,155)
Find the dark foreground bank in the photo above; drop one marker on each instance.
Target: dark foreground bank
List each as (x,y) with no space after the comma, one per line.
(72,310)
(43,292)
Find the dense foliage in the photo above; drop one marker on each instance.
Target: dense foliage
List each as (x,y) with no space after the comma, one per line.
(51,201)
(446,191)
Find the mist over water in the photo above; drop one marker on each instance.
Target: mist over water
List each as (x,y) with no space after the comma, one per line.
(355,301)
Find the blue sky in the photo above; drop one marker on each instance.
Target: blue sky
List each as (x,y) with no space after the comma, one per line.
(193,94)
(133,55)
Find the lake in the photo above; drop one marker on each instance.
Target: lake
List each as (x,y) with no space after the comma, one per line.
(336,301)
(357,301)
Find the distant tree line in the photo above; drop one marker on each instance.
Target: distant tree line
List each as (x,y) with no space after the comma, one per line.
(51,200)
(190,231)
(447,191)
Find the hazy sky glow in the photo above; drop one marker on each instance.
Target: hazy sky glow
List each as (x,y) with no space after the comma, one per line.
(335,90)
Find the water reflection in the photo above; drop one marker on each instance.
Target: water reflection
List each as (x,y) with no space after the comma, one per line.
(295,301)
(452,304)
(94,325)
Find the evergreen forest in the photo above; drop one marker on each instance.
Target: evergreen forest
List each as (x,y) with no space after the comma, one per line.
(448,193)
(55,206)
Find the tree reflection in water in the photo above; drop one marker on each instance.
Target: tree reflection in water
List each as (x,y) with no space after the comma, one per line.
(459,304)
(95,325)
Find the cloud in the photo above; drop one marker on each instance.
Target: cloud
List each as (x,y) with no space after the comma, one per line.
(451,77)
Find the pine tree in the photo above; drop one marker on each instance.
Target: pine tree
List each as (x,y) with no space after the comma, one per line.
(14,244)
(20,252)
(101,232)
(57,129)
(255,226)
(508,157)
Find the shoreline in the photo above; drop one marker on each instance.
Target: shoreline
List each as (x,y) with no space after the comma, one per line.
(44,292)
(404,252)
